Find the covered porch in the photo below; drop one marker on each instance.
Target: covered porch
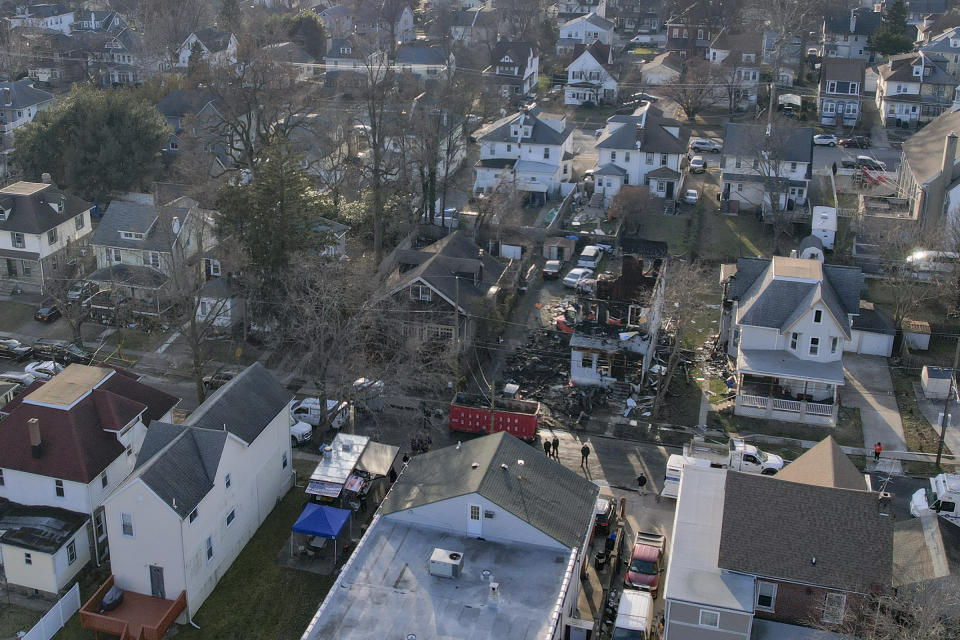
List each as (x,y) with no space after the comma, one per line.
(777,385)
(137,615)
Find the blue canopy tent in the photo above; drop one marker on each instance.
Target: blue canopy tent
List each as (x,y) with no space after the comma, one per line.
(321,521)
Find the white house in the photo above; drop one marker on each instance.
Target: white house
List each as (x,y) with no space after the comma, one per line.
(426,62)
(585,29)
(913,89)
(337,20)
(640,149)
(42,548)
(71,441)
(54,17)
(531,151)
(847,35)
(37,222)
(840,90)
(663,69)
(592,76)
(738,56)
(505,531)
(759,168)
(200,490)
(787,322)
(216,47)
(21,103)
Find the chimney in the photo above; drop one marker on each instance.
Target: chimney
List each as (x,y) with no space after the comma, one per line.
(853,20)
(36,443)
(7,98)
(949,157)
(45,178)
(176,225)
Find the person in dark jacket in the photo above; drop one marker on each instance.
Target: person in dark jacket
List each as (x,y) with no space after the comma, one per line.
(584,455)
(556,448)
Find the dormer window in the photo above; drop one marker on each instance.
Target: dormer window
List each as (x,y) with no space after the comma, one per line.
(421,293)
(345,50)
(818,316)
(918,70)
(955,43)
(131,235)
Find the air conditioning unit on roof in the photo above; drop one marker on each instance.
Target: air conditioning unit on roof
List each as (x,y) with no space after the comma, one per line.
(446,564)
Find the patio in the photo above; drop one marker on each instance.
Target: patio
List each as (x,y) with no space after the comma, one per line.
(138,616)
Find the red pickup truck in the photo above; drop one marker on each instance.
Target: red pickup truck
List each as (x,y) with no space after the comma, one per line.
(646,563)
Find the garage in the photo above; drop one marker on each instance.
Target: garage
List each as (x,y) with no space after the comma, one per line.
(872,332)
(875,344)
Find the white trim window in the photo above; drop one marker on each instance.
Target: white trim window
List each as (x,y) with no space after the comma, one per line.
(817,316)
(709,618)
(421,293)
(814,346)
(766,595)
(126,524)
(794,337)
(209,548)
(833,607)
(231,517)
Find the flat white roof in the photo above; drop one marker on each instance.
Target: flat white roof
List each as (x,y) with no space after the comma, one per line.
(386,590)
(340,458)
(692,573)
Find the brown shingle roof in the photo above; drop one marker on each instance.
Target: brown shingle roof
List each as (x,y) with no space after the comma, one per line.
(825,465)
(834,538)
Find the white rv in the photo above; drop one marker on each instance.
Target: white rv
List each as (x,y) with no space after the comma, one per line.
(942,498)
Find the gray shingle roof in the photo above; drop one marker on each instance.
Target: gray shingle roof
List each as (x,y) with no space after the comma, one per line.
(873,320)
(519,52)
(551,498)
(246,404)
(622,132)
(182,102)
(610,170)
(542,132)
(866,23)
(842,528)
(23,94)
(179,463)
(941,43)
(842,70)
(923,151)
(592,19)
(438,263)
(33,213)
(900,69)
(129,274)
(155,222)
(746,140)
(213,39)
(420,54)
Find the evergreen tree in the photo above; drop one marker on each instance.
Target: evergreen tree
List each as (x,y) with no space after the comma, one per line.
(196,65)
(229,17)
(891,37)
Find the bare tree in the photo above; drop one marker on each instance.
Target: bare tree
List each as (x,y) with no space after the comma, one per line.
(696,90)
(906,288)
(731,82)
(65,286)
(167,23)
(686,286)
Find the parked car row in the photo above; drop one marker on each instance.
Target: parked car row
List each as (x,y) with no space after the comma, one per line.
(60,351)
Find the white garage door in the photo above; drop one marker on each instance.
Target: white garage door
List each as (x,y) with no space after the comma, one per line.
(875,344)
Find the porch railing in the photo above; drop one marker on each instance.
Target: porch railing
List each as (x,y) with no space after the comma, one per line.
(820,409)
(753,401)
(786,405)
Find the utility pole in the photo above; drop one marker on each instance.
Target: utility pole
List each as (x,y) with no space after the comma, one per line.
(946,403)
(773,95)
(456,318)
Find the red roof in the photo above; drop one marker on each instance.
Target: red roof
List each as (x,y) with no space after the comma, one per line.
(76,445)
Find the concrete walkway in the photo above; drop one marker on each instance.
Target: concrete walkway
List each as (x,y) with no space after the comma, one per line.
(869,388)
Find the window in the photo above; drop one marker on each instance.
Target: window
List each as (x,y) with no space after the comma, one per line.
(209,548)
(649,158)
(699,34)
(833,607)
(814,346)
(126,524)
(117,256)
(832,86)
(72,552)
(833,344)
(27,558)
(793,166)
(818,316)
(474,512)
(420,292)
(52,236)
(509,147)
(98,525)
(756,163)
(626,156)
(103,480)
(227,481)
(793,341)
(130,235)
(766,595)
(129,450)
(663,159)
(58,488)
(546,152)
(17,240)
(193,515)
(79,220)
(1,478)
(613,156)
(151,259)
(284,461)
(709,618)
(739,187)
(737,163)
(231,517)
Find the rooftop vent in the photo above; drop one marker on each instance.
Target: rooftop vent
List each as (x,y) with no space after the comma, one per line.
(446,564)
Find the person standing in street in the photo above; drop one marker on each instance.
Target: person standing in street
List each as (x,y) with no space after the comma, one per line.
(584,455)
(556,448)
(877,450)
(546,448)
(641,483)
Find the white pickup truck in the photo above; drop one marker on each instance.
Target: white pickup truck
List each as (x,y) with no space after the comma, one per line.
(942,498)
(634,616)
(736,455)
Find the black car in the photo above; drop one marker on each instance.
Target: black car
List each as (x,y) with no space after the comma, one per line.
(220,377)
(62,351)
(13,349)
(48,312)
(859,142)
(606,516)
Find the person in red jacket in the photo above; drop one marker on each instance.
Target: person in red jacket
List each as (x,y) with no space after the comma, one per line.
(877,450)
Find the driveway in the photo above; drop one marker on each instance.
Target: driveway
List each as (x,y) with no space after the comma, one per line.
(869,388)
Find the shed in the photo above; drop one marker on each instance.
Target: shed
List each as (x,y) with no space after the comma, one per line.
(935,382)
(824,225)
(916,333)
(559,248)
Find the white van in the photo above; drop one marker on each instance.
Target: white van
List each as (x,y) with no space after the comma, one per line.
(634,616)
(309,410)
(675,465)
(590,257)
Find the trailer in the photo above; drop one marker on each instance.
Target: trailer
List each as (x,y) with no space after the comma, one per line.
(471,414)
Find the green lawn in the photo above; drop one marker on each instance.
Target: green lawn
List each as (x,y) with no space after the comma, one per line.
(726,238)
(917,431)
(14,315)
(670,229)
(256,599)
(642,51)
(14,619)
(849,431)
